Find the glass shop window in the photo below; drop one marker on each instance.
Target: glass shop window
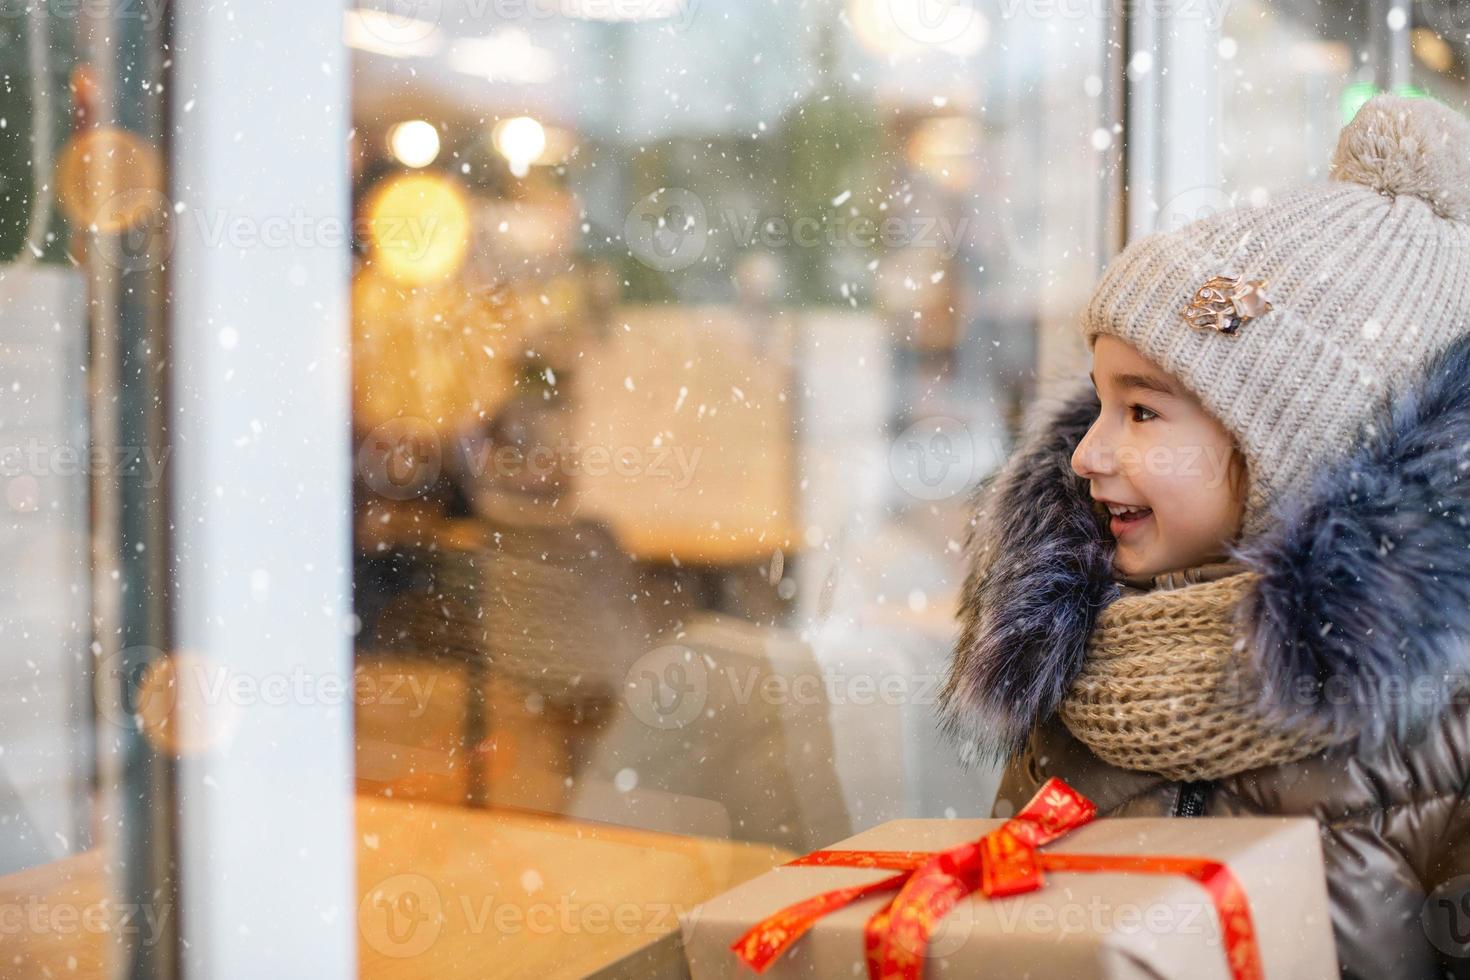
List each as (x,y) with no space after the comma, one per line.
(680,331)
(86,882)
(1291,77)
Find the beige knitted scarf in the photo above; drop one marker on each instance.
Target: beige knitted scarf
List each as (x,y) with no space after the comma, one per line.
(1165,687)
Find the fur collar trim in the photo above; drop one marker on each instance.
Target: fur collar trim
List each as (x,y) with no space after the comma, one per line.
(1358,626)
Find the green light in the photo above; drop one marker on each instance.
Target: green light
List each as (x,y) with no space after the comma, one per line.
(1358,93)
(1353,98)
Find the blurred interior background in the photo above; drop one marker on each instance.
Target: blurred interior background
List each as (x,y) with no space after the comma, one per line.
(680,332)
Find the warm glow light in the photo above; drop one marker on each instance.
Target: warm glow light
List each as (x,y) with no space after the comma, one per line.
(1321,57)
(521,141)
(867,22)
(1432,49)
(418,227)
(946,147)
(945,136)
(560,145)
(394,35)
(414,143)
(506,55)
(109,179)
(913,27)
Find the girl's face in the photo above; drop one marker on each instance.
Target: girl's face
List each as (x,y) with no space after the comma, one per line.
(1166,470)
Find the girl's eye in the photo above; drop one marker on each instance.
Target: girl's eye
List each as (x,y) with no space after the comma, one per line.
(1142,414)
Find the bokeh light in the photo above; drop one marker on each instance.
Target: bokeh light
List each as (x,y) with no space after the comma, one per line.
(418,227)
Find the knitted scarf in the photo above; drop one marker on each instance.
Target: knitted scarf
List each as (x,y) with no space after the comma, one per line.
(1162,688)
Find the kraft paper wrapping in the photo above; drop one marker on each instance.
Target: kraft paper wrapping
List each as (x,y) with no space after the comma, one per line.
(1118,926)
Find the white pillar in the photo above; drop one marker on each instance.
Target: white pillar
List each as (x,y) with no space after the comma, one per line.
(260,422)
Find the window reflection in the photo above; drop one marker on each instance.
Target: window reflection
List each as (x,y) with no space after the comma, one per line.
(1291,78)
(86,744)
(679,334)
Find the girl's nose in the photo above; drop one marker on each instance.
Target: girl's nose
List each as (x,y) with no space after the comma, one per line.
(1092,458)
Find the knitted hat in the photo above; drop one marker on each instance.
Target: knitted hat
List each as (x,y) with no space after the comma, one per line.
(1305,314)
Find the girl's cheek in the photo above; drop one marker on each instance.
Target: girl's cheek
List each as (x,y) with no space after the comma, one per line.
(1132,457)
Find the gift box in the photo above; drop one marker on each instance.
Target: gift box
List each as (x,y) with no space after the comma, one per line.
(1050,892)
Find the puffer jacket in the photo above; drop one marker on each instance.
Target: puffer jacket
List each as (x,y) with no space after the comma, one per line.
(1359,624)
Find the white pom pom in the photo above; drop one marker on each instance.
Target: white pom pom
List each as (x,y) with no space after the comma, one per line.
(1411,148)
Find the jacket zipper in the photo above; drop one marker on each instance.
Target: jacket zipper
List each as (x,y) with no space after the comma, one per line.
(1191,802)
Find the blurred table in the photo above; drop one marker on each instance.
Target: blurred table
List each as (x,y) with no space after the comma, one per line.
(449,892)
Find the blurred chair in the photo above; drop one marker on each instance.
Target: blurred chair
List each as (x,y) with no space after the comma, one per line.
(723,728)
(526,627)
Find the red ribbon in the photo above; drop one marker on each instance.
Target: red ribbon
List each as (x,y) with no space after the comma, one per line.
(1006,861)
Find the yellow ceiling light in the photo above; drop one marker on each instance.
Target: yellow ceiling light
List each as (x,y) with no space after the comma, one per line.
(414,143)
(521,140)
(418,227)
(1434,51)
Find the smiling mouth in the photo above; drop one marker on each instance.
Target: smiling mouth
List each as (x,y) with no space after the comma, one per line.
(1125,520)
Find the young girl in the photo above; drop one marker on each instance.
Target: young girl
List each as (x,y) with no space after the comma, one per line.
(1231,574)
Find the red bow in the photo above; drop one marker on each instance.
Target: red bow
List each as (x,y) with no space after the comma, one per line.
(1006,861)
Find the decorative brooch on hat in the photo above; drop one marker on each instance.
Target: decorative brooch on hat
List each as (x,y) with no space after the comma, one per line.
(1223,303)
